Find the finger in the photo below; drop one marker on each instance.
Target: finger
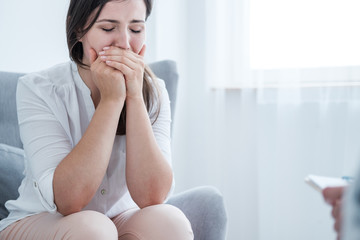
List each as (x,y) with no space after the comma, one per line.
(121,59)
(331,194)
(337,226)
(142,51)
(336,211)
(92,55)
(115,51)
(121,67)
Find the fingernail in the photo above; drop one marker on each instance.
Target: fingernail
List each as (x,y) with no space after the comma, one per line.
(103,57)
(108,62)
(106,48)
(102,53)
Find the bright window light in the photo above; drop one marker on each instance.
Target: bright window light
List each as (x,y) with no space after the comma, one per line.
(304,33)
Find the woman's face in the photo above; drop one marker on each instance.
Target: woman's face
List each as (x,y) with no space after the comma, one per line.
(121,24)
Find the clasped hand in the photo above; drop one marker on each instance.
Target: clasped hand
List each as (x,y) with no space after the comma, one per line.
(118,73)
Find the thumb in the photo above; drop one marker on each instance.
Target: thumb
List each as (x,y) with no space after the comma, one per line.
(331,194)
(92,56)
(142,51)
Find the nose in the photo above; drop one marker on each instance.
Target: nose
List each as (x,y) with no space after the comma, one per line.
(122,40)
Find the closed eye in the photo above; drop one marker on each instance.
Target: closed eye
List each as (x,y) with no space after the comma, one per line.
(135,31)
(108,29)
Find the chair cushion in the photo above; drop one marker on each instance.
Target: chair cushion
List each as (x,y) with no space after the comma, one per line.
(11,174)
(9,129)
(167,71)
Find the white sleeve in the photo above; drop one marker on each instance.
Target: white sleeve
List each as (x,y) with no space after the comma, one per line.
(45,141)
(161,128)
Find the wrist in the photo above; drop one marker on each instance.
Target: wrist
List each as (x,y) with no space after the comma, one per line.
(135,98)
(112,102)
(136,102)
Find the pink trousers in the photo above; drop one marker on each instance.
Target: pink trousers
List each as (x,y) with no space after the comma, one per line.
(158,222)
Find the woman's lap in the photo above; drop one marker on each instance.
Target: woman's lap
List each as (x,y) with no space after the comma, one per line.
(81,225)
(154,222)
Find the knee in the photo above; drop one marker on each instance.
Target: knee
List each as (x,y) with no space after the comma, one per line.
(91,225)
(162,221)
(174,219)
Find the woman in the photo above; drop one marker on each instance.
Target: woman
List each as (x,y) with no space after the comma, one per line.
(96,135)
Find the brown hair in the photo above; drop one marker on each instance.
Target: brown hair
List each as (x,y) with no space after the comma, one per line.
(77,18)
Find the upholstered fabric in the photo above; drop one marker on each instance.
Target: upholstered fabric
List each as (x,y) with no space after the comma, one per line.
(11,174)
(204,207)
(167,71)
(9,130)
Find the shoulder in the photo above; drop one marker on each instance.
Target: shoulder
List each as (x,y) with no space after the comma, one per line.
(52,87)
(161,84)
(58,76)
(161,92)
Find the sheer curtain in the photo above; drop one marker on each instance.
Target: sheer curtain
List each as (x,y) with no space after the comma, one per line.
(268,94)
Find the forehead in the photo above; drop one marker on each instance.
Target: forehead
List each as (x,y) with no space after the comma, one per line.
(123,10)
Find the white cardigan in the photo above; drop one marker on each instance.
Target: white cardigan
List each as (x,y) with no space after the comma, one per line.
(54,110)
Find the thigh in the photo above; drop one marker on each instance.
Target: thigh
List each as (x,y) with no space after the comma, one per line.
(47,226)
(158,222)
(38,226)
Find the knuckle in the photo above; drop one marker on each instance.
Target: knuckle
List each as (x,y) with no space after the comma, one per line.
(142,64)
(124,68)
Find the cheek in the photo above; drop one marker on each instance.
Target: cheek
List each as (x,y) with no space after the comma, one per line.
(95,42)
(137,43)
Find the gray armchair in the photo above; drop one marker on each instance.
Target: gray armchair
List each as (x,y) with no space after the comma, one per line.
(203,206)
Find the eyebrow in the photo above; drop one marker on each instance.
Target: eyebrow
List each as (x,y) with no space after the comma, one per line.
(117,22)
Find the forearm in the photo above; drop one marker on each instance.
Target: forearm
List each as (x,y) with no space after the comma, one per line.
(80,173)
(148,174)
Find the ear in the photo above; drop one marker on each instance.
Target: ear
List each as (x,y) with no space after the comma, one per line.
(79,36)
(80,39)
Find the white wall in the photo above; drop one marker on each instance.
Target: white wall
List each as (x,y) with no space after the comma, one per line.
(32,34)
(254,150)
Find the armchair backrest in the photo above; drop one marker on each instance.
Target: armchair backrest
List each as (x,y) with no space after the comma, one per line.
(9,130)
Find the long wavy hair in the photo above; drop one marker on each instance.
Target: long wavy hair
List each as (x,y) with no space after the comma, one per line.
(77,18)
